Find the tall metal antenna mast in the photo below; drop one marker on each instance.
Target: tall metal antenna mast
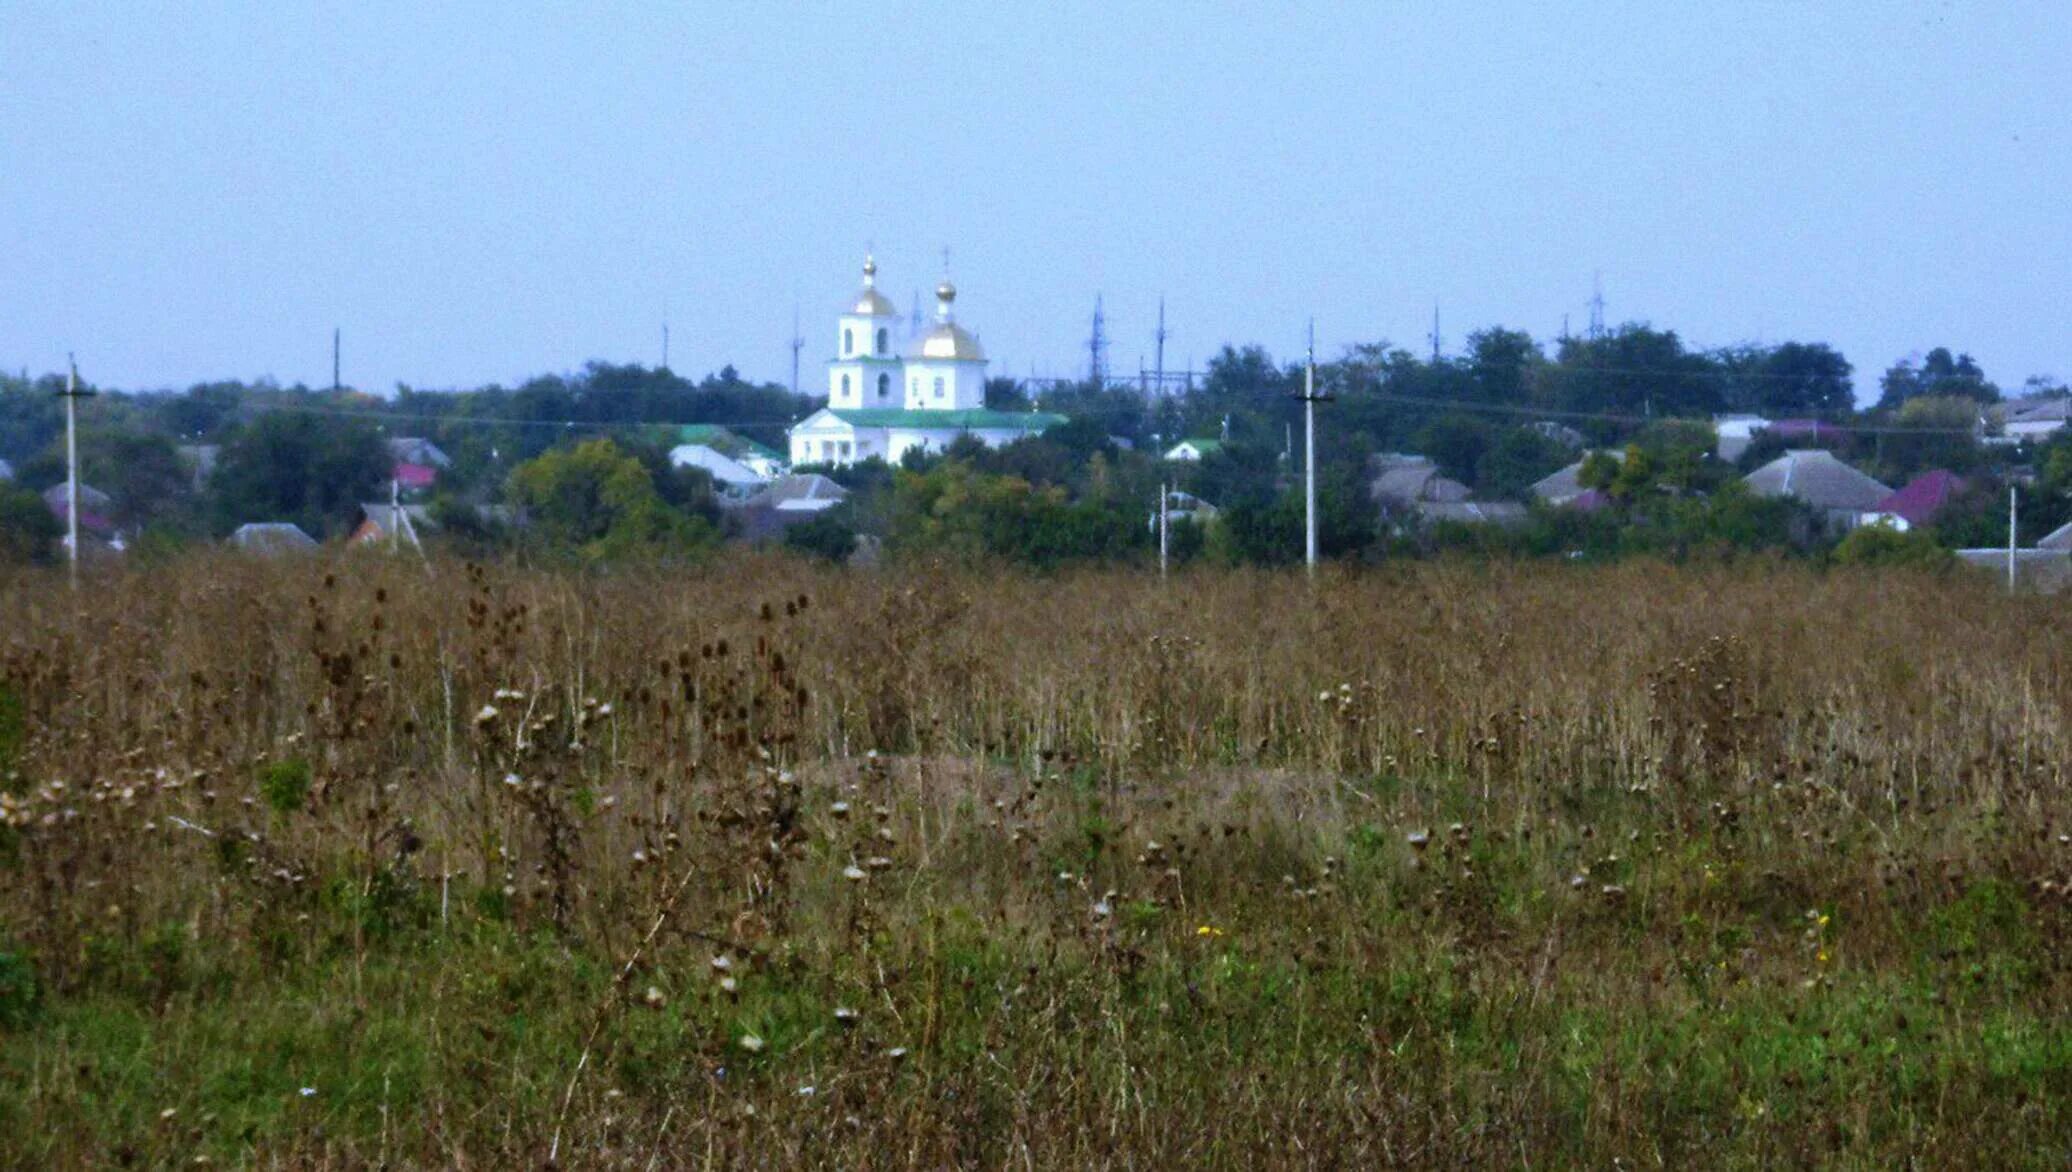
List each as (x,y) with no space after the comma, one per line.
(1161,336)
(1097,347)
(334,360)
(1596,306)
(1435,333)
(797,343)
(71,395)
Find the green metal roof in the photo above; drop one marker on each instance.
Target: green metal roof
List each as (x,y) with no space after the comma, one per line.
(976,419)
(714,435)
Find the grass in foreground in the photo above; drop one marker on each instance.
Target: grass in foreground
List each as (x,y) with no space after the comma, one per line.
(580,869)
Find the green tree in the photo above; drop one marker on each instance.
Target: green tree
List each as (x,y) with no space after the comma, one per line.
(312,470)
(1519,458)
(29,531)
(1939,374)
(600,503)
(829,535)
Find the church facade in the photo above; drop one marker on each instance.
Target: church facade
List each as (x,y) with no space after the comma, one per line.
(885,404)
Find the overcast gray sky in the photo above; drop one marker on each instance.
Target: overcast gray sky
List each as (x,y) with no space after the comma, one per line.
(478,192)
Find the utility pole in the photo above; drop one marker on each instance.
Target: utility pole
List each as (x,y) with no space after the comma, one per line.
(72,394)
(1310,398)
(1161,336)
(1164,527)
(2010,538)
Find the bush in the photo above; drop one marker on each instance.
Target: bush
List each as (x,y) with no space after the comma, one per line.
(285,784)
(1882,545)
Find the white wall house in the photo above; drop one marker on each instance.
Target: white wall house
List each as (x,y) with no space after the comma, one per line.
(884,405)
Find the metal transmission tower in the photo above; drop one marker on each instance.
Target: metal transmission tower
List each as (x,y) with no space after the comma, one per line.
(1596,306)
(1097,347)
(334,359)
(1435,333)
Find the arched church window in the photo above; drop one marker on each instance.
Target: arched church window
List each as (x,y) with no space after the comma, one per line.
(848,342)
(845,386)
(884,380)
(881,340)
(938,387)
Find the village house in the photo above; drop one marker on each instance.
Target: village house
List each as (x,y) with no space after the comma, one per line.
(416,462)
(2033,418)
(1920,500)
(1192,451)
(1564,489)
(729,443)
(884,405)
(730,476)
(787,501)
(271,538)
(1844,496)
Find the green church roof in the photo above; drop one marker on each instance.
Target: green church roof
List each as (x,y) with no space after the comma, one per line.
(977,419)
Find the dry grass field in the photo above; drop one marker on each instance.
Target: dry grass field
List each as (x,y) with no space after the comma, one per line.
(340,864)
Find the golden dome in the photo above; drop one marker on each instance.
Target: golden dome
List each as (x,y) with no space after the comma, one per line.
(871,303)
(946,341)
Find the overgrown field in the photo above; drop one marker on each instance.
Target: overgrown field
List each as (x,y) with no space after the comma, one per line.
(346,864)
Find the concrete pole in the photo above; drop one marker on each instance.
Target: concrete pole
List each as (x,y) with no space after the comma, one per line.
(1309,457)
(72,466)
(1164,529)
(2010,538)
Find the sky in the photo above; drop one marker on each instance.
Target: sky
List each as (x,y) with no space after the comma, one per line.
(476,192)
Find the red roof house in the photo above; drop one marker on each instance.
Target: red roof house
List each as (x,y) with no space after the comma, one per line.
(416,476)
(1923,497)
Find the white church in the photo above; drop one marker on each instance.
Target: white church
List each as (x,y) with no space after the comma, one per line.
(926,397)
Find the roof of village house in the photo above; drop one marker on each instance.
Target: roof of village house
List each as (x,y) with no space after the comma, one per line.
(1923,496)
(6,470)
(2059,538)
(2054,409)
(724,469)
(93,498)
(411,449)
(271,537)
(799,492)
(1815,476)
(1201,446)
(1405,482)
(1563,485)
